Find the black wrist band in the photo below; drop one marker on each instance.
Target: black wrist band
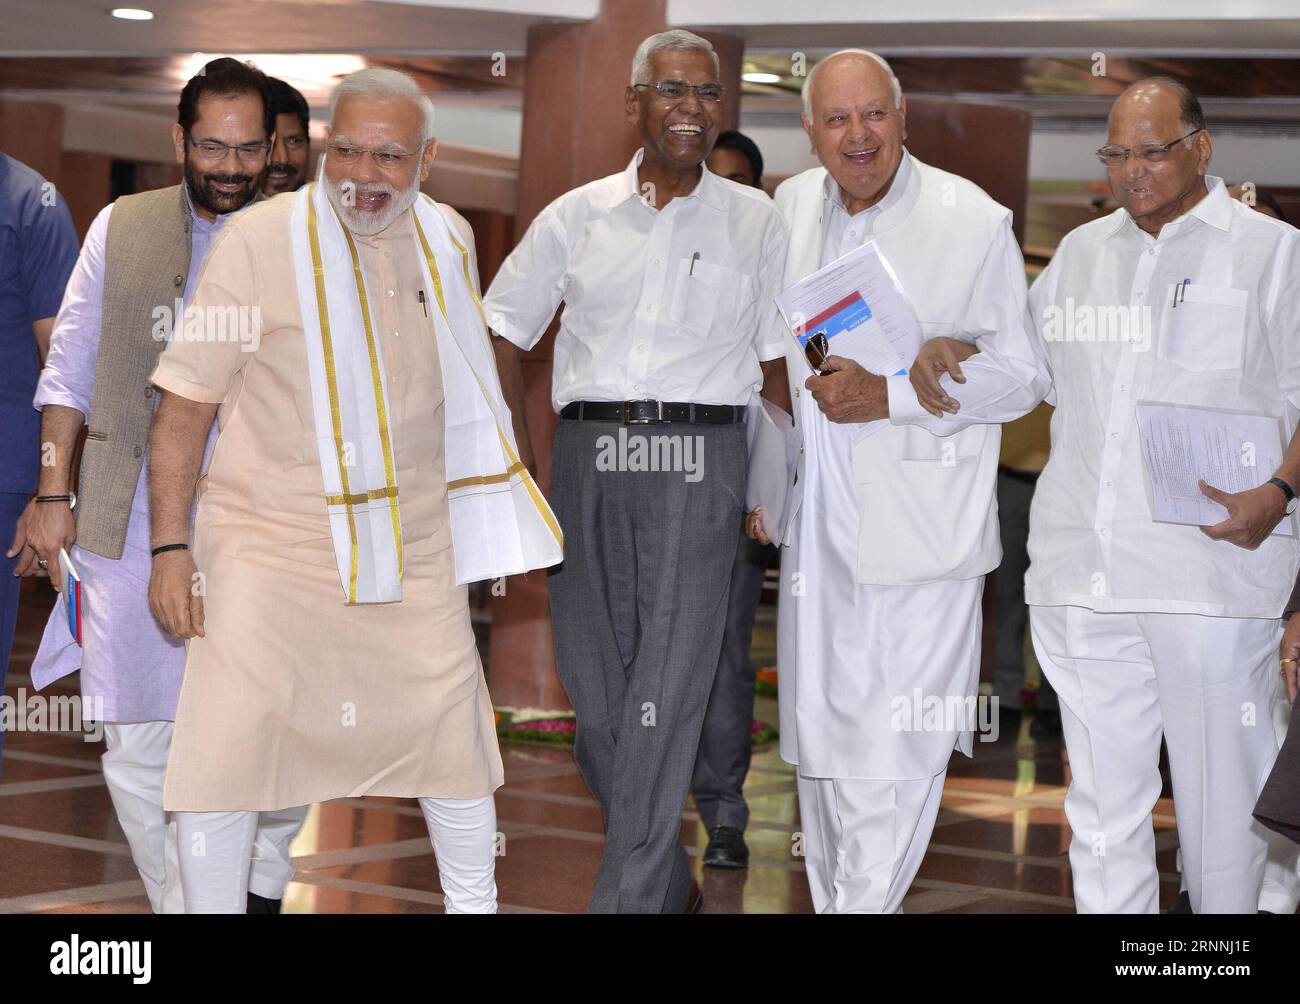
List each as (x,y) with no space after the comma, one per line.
(53,498)
(1286,489)
(169,547)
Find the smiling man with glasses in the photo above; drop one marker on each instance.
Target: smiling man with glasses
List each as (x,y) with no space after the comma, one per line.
(1151,629)
(667,274)
(140,262)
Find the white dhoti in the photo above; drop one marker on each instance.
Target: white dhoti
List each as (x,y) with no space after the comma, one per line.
(135,763)
(863,841)
(877,688)
(216,848)
(1206,684)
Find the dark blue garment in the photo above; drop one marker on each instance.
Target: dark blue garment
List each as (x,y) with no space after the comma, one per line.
(11,507)
(38,248)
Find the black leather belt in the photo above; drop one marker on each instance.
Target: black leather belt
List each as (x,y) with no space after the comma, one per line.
(652,412)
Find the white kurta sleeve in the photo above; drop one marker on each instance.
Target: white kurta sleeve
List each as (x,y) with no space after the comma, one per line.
(530,283)
(771,272)
(1282,316)
(68,378)
(1010,373)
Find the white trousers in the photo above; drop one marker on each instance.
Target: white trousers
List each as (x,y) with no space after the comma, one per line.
(1206,684)
(135,764)
(863,840)
(216,848)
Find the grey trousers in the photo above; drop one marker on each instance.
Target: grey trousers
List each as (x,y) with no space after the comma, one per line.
(637,609)
(726,743)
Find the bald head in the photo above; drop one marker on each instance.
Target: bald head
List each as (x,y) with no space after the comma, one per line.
(1160,96)
(848,60)
(1158,128)
(855,117)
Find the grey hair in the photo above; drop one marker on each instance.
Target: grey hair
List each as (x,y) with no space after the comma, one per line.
(675,40)
(895,87)
(381,83)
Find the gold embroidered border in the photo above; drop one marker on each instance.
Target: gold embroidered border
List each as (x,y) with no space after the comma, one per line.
(516,466)
(381,412)
(318,271)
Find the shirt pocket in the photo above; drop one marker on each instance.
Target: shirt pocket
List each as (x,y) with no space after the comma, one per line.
(705,296)
(1207,329)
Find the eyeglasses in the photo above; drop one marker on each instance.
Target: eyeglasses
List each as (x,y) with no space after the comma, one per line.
(386,159)
(1114,156)
(675,90)
(211,150)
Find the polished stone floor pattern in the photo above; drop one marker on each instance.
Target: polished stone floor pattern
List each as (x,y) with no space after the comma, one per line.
(999,845)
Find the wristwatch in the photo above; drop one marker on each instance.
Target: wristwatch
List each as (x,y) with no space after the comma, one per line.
(1287,491)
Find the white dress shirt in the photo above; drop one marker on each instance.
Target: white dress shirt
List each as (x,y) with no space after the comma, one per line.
(847,232)
(1092,542)
(671,305)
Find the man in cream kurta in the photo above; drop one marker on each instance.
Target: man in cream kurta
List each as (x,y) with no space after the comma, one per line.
(897,524)
(297,688)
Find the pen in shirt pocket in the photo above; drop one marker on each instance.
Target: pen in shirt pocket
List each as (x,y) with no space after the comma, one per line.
(422,304)
(1180,288)
(694,258)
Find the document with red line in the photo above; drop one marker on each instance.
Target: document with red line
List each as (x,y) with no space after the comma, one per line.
(858,305)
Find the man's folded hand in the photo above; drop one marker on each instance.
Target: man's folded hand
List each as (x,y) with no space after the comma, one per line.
(937,357)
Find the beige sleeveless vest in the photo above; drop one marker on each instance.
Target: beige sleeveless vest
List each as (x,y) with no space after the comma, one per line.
(146,260)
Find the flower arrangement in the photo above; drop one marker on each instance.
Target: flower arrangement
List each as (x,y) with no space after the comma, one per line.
(559,727)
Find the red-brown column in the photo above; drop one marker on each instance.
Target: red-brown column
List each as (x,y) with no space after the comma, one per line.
(32,132)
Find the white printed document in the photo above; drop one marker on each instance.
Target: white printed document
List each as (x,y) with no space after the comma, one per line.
(855,306)
(773,460)
(1230,450)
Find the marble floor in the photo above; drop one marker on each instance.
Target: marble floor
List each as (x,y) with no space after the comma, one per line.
(999,845)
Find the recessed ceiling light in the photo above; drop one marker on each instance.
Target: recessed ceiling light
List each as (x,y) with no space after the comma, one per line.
(132,13)
(761,78)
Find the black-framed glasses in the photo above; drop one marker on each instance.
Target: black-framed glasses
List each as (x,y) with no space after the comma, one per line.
(346,153)
(211,150)
(1114,156)
(675,90)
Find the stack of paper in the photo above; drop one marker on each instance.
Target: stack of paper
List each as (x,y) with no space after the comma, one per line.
(773,461)
(858,305)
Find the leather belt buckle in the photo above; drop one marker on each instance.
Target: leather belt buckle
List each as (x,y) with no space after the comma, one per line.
(628,413)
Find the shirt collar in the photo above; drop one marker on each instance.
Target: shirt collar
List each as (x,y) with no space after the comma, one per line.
(708,189)
(1215,209)
(897,187)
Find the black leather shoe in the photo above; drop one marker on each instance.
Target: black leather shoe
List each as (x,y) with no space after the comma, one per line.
(726,849)
(260,904)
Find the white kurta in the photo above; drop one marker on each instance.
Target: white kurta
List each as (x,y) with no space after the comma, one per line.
(878,680)
(864,657)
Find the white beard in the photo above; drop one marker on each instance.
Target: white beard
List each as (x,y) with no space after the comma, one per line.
(366,224)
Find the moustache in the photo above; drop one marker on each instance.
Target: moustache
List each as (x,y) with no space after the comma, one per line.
(227,179)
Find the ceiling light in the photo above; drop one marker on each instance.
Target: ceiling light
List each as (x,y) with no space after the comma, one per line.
(761,78)
(132,13)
